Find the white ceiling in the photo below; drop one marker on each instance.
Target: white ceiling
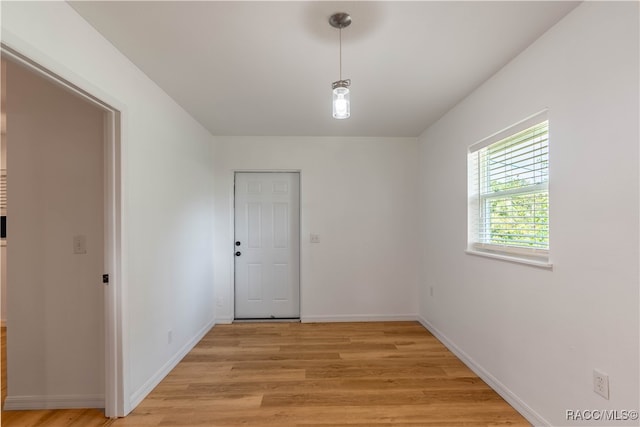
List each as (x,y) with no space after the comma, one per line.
(265,68)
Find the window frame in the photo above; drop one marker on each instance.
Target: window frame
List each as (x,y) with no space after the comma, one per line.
(528,255)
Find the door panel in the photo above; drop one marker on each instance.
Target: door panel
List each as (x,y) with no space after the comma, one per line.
(254,225)
(267,261)
(254,281)
(280,225)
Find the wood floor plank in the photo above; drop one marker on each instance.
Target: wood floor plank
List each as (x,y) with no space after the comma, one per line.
(380,374)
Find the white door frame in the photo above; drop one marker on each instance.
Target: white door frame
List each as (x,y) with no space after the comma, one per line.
(115,380)
(233,233)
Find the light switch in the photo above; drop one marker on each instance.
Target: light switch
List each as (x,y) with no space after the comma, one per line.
(315,238)
(80,244)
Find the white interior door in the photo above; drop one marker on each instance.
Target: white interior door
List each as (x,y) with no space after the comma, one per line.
(267,245)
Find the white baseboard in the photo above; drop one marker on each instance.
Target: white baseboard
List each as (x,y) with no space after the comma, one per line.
(224,320)
(360,318)
(342,318)
(152,382)
(518,404)
(20,403)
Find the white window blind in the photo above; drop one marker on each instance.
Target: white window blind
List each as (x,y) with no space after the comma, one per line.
(3,191)
(508,191)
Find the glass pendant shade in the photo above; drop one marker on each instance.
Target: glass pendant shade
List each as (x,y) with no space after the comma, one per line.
(341,103)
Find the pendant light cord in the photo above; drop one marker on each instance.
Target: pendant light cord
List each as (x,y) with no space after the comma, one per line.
(340,73)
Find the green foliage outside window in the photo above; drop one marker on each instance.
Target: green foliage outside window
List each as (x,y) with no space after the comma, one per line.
(521,220)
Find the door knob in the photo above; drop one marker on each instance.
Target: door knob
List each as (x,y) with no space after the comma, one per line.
(237,243)
(238,253)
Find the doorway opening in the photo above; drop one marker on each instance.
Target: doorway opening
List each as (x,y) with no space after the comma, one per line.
(66,197)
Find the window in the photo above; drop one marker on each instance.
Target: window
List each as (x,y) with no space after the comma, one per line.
(509,192)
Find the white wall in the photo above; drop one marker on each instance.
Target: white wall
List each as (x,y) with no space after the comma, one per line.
(358,194)
(167,226)
(55,312)
(537,333)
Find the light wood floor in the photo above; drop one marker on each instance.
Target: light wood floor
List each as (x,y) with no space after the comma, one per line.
(3,364)
(311,375)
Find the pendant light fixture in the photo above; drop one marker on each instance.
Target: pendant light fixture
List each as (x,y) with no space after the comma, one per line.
(341,97)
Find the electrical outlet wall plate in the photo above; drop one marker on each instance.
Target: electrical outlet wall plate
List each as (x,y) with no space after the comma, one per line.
(601,383)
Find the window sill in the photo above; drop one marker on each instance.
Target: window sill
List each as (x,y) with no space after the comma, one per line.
(510,258)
